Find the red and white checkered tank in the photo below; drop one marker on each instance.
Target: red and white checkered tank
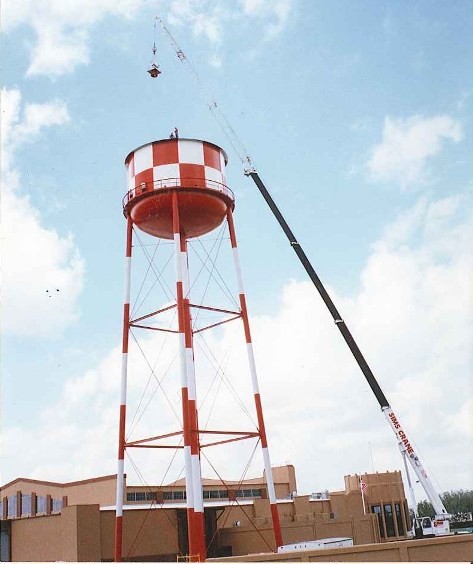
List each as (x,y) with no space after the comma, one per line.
(192,168)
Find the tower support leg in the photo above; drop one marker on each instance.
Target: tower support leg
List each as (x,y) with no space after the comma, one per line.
(188,391)
(256,393)
(200,549)
(123,389)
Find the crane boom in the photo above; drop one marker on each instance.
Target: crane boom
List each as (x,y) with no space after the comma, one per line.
(405,446)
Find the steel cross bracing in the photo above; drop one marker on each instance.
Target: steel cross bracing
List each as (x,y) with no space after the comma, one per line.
(194,437)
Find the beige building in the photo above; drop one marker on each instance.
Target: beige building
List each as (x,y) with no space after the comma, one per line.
(74,521)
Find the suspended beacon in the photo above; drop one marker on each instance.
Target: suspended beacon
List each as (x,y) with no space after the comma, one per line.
(177,191)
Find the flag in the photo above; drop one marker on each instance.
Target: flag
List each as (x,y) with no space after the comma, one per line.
(363,486)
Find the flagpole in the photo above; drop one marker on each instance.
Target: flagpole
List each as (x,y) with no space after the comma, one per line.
(363,488)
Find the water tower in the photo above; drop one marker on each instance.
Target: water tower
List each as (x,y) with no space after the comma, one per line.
(177,191)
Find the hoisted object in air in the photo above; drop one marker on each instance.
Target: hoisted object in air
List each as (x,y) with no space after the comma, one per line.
(154,68)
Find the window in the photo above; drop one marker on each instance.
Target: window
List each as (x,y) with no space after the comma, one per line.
(377,509)
(57,505)
(400,524)
(41,504)
(388,517)
(1,509)
(249,493)
(141,496)
(25,505)
(12,506)
(215,494)
(173,496)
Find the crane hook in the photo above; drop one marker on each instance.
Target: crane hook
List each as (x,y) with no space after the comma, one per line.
(154,68)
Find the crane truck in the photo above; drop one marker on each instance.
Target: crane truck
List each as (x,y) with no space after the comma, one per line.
(422,526)
(425,526)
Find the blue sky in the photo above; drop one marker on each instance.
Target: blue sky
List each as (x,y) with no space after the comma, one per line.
(358,117)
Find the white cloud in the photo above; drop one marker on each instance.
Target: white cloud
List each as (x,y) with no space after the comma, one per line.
(204,18)
(210,18)
(406,146)
(35,117)
(61,29)
(42,272)
(413,319)
(277,12)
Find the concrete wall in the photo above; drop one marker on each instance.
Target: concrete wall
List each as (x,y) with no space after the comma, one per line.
(99,491)
(146,535)
(257,536)
(72,536)
(443,549)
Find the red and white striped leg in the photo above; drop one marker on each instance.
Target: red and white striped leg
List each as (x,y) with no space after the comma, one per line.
(254,379)
(122,421)
(200,549)
(180,261)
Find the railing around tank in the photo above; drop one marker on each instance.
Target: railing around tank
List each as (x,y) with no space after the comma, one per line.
(166,183)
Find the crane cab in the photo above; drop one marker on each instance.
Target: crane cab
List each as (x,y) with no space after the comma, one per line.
(154,70)
(425,527)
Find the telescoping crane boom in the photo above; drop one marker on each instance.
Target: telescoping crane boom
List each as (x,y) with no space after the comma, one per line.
(440,526)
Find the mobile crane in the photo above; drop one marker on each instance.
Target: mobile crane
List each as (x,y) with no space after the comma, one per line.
(425,526)
(422,526)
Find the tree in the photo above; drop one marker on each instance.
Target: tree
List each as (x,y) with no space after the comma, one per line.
(425,509)
(455,501)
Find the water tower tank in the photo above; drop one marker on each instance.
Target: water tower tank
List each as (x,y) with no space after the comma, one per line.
(194,169)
